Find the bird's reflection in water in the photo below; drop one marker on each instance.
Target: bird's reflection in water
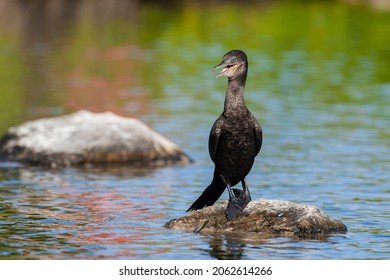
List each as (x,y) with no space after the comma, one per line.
(223,248)
(228,246)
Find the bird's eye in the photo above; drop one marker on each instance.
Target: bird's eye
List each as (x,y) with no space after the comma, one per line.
(233,60)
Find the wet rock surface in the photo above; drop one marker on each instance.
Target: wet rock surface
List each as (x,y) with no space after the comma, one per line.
(89,138)
(270,217)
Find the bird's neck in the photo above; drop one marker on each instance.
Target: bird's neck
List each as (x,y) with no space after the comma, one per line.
(234,99)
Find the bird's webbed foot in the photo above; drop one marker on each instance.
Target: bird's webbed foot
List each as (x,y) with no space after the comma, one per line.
(238,200)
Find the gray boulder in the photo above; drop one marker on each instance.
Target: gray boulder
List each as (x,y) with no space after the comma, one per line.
(269,217)
(89,138)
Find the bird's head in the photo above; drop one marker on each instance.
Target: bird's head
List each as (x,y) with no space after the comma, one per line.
(234,64)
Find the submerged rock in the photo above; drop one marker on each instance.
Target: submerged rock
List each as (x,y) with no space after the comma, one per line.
(270,217)
(89,138)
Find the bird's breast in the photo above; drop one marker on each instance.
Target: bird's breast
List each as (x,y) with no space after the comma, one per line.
(237,141)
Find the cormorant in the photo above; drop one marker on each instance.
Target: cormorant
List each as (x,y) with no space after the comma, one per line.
(234,142)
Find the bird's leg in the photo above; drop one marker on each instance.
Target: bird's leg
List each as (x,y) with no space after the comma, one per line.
(246,195)
(245,190)
(233,207)
(237,203)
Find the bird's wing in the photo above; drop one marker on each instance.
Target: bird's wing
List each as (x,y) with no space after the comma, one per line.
(257,131)
(215,132)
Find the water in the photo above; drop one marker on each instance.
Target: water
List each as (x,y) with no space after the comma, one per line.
(320,88)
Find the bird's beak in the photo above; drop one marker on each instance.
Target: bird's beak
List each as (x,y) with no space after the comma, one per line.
(228,69)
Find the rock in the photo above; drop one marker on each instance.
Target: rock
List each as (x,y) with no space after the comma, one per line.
(269,217)
(89,138)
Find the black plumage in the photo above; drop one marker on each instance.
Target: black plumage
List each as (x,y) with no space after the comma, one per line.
(234,142)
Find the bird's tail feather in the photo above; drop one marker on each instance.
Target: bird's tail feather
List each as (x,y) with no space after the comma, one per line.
(210,195)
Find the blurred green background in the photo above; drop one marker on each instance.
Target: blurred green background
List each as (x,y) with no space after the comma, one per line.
(131,56)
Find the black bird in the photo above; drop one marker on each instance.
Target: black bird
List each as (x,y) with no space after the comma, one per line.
(234,142)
